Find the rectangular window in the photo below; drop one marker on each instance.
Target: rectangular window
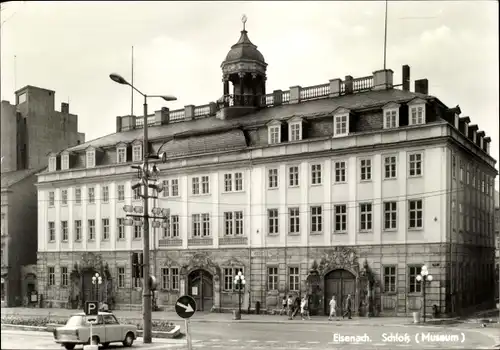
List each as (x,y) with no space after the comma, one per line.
(105,194)
(340,213)
(195,185)
(414,285)
(293,279)
(238,223)
(293,176)
(105,229)
(228,182)
(415,213)
(136,193)
(205,185)
(229,274)
(64,276)
(340,171)
(316,219)
(196,225)
(137,153)
(174,273)
(78,196)
(273,221)
(295,132)
(274,135)
(390,167)
(294,220)
(365,210)
(390,215)
(165,278)
(64,230)
(174,225)
(415,164)
(91,195)
(238,182)
(91,229)
(417,116)
(316,174)
(390,119)
(122,155)
(52,231)
(121,277)
(121,228)
(137,232)
(65,162)
(90,159)
(64,197)
(453,166)
(137,282)
(341,125)
(390,279)
(52,164)
(461,172)
(52,198)
(272,278)
(52,276)
(174,187)
(228,223)
(121,193)
(165,188)
(78,230)
(273,178)
(205,221)
(366,169)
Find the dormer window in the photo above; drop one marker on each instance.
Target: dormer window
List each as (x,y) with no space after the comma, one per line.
(65,162)
(295,131)
(274,134)
(457,121)
(417,115)
(121,154)
(52,163)
(90,157)
(391,115)
(137,153)
(341,125)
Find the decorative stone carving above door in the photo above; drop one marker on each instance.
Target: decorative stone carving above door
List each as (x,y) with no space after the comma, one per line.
(339,258)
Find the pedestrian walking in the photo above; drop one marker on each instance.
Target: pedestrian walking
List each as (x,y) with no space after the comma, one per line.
(348,307)
(284,304)
(304,308)
(333,308)
(289,307)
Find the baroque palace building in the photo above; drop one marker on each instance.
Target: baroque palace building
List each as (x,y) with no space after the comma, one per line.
(312,190)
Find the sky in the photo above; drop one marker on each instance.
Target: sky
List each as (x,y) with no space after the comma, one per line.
(72,47)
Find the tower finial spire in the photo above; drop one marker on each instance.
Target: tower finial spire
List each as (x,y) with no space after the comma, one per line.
(244,20)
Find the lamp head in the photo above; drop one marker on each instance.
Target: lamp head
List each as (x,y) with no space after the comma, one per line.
(167,97)
(239,273)
(419,278)
(96,275)
(118,79)
(243,282)
(424,268)
(429,278)
(424,272)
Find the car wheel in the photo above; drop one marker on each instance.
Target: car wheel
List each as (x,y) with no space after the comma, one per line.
(105,345)
(129,339)
(69,346)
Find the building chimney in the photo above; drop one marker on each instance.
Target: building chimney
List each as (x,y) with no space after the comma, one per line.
(162,116)
(422,86)
(65,107)
(382,79)
(118,124)
(348,85)
(487,141)
(406,77)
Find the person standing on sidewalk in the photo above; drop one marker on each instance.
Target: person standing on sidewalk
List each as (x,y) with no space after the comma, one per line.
(290,307)
(304,308)
(348,306)
(333,308)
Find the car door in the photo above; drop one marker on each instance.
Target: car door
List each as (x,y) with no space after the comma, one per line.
(113,329)
(97,327)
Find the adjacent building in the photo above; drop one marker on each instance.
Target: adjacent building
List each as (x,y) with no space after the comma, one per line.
(303,190)
(30,129)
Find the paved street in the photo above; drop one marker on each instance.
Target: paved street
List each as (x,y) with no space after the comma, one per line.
(234,335)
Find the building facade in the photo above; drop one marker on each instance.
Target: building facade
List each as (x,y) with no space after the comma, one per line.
(304,191)
(30,129)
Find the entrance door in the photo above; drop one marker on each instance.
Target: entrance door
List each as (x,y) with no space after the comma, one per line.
(201,289)
(87,287)
(339,283)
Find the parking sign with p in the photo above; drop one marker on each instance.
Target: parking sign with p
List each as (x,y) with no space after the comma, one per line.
(91,308)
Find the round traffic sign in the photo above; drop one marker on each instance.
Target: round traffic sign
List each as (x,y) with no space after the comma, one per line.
(185,306)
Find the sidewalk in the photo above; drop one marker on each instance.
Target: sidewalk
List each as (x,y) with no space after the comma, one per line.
(222,317)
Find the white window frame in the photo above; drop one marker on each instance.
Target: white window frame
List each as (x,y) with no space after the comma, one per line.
(274,134)
(273,179)
(272,278)
(91,229)
(137,153)
(51,229)
(205,225)
(65,162)
(365,169)
(413,164)
(205,184)
(316,219)
(78,195)
(78,230)
(340,217)
(233,182)
(52,163)
(316,174)
(415,211)
(365,217)
(195,186)
(233,223)
(419,117)
(64,197)
(390,169)
(341,167)
(51,276)
(120,192)
(273,221)
(105,194)
(64,276)
(121,151)
(293,175)
(137,232)
(136,194)
(338,125)
(105,229)
(174,188)
(90,159)
(91,195)
(172,228)
(294,220)
(64,231)
(390,219)
(120,224)
(52,199)
(391,118)
(295,131)
(293,278)
(121,277)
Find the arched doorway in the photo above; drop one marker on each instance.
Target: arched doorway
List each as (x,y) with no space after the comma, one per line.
(201,288)
(91,292)
(339,283)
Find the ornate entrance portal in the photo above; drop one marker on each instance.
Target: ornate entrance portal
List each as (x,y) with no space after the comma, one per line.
(339,283)
(200,287)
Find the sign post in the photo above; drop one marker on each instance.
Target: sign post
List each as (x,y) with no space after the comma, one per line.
(185,307)
(91,309)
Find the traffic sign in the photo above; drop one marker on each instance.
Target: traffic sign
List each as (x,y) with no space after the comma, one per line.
(185,306)
(91,308)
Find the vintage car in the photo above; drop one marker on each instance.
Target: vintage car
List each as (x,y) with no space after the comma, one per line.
(105,330)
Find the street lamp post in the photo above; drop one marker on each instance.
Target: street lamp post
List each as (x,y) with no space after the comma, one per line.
(239,281)
(97,281)
(424,278)
(145,172)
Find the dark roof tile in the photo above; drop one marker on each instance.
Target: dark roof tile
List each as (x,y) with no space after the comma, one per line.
(12,177)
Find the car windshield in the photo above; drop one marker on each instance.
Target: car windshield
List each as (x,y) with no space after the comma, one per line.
(75,320)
